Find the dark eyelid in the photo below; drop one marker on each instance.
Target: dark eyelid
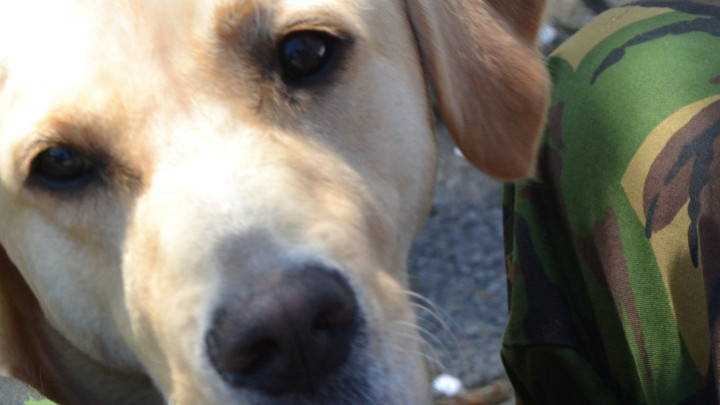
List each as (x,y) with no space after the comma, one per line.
(38,145)
(312,25)
(97,161)
(342,44)
(108,171)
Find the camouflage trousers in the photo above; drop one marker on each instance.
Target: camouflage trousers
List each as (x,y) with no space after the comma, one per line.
(613,250)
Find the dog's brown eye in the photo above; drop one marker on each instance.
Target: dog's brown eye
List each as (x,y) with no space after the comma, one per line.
(61,167)
(305,54)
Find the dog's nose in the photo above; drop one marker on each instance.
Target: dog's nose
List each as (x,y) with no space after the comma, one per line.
(287,336)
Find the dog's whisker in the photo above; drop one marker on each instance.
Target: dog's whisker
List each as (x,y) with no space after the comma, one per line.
(423,305)
(432,316)
(431,343)
(426,306)
(424,333)
(412,332)
(414,297)
(437,344)
(417,296)
(432,357)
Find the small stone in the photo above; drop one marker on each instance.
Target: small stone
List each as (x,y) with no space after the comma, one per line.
(448,386)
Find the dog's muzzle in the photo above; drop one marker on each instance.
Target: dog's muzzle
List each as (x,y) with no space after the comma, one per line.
(286,335)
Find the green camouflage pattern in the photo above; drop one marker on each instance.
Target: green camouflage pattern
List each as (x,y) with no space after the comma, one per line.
(613,250)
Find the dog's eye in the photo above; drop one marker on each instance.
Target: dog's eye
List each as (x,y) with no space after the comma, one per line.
(61,167)
(305,54)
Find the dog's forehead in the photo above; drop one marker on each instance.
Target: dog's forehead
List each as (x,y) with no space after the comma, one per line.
(64,45)
(128,57)
(140,21)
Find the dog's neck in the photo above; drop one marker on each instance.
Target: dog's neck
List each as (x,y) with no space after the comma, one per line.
(41,357)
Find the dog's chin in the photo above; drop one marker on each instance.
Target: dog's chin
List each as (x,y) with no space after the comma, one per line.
(340,389)
(350,388)
(363,380)
(348,385)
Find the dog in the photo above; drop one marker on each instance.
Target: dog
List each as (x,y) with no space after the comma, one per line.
(613,247)
(212,201)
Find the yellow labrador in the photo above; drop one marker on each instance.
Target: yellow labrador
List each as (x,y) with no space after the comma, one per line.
(212,201)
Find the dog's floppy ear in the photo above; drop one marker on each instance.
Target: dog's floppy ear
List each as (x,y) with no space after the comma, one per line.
(19,310)
(491,85)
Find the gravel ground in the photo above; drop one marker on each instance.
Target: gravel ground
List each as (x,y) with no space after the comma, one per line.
(457,263)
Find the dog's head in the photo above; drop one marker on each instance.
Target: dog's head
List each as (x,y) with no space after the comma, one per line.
(214,200)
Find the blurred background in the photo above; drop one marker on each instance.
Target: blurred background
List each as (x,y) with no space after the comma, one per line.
(458,264)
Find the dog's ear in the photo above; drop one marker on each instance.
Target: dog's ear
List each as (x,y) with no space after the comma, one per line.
(491,85)
(20,316)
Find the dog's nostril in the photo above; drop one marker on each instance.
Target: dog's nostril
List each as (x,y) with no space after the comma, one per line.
(249,360)
(258,357)
(288,338)
(334,323)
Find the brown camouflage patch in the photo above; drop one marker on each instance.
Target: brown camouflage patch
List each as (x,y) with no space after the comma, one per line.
(709,235)
(603,251)
(680,173)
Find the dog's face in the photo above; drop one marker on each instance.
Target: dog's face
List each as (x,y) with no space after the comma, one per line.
(221,195)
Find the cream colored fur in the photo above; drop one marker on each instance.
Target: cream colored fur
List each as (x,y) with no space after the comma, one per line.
(105,294)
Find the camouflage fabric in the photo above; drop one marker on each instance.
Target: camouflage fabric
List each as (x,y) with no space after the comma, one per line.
(613,251)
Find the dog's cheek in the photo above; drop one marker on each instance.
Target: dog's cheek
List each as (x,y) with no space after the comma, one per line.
(76,284)
(385,136)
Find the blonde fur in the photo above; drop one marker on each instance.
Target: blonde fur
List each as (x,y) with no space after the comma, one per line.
(106,292)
